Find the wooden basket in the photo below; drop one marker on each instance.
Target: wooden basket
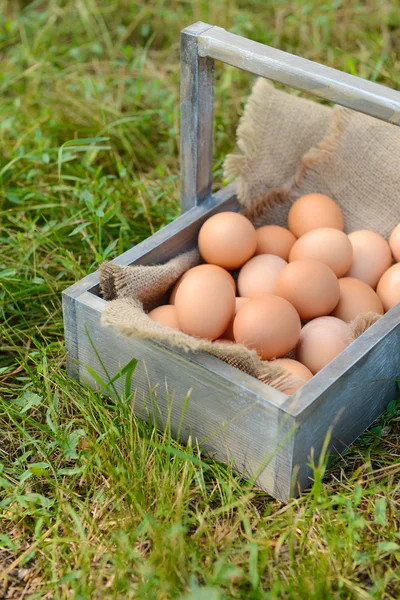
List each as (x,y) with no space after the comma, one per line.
(267,435)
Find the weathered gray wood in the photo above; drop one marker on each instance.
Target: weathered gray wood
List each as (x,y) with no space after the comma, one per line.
(70,334)
(235,421)
(348,395)
(324,82)
(197,109)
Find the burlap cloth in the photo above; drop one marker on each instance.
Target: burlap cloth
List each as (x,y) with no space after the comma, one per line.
(287,147)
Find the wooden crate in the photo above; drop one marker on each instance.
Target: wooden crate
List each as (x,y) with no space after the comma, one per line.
(267,435)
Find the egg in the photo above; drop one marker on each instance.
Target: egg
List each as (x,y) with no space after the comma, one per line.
(268,324)
(320,341)
(312,212)
(371,257)
(310,286)
(205,269)
(330,246)
(394,243)
(228,333)
(258,276)
(227,239)
(388,288)
(205,303)
(165,315)
(356,298)
(296,369)
(272,239)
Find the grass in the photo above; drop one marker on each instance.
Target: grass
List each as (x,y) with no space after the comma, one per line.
(93,502)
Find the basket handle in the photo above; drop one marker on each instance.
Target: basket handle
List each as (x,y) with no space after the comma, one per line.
(202,44)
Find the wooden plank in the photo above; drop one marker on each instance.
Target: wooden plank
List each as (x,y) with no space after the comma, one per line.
(197,110)
(349,394)
(71,335)
(229,416)
(324,82)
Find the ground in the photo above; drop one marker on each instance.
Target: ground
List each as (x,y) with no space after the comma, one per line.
(94,503)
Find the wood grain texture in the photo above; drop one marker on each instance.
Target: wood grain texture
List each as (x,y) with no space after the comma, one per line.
(324,82)
(229,419)
(70,334)
(197,110)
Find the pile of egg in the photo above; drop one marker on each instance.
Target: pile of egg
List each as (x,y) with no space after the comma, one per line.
(297,288)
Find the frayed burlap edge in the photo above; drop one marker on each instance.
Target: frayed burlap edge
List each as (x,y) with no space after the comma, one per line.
(147,283)
(248,144)
(329,143)
(235,165)
(257,212)
(361,324)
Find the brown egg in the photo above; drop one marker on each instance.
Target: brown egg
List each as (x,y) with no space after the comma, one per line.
(227,239)
(330,246)
(228,333)
(312,212)
(310,286)
(320,341)
(258,276)
(205,303)
(272,239)
(356,298)
(297,370)
(394,243)
(371,257)
(269,325)
(165,315)
(198,269)
(388,288)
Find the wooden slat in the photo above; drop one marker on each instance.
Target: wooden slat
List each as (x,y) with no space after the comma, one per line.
(324,82)
(229,415)
(70,334)
(197,109)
